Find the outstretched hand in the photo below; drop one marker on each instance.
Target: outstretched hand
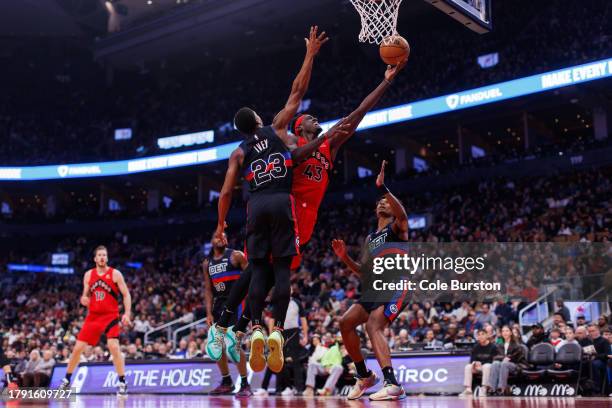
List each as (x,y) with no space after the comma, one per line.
(339,248)
(380,180)
(315,41)
(393,70)
(342,128)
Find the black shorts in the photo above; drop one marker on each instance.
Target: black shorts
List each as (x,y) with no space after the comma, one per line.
(219,306)
(392,308)
(271,226)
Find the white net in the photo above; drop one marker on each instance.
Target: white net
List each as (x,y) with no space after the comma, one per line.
(378,19)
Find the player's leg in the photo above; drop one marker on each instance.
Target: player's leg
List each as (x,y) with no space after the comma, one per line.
(226,385)
(280,303)
(262,274)
(375,326)
(112,331)
(73,361)
(245,387)
(236,296)
(355,316)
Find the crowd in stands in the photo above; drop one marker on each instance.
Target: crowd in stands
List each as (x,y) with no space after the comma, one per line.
(41,312)
(76,111)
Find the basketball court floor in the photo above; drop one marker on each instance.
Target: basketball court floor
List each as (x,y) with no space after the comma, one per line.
(204,401)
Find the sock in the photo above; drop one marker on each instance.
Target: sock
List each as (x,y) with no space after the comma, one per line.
(362,370)
(68,376)
(389,375)
(122,379)
(227,380)
(244,381)
(242,324)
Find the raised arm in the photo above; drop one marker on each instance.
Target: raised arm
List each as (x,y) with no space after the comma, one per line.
(208,295)
(400,226)
(339,248)
(301,81)
(225,196)
(127,298)
(85,295)
(366,105)
(299,154)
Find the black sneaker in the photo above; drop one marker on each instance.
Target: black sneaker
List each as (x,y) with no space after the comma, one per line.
(222,389)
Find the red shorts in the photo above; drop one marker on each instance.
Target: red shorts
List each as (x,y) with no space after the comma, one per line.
(306,220)
(96,325)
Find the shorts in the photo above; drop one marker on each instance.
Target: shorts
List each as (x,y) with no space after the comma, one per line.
(219,306)
(98,324)
(271,226)
(392,308)
(306,219)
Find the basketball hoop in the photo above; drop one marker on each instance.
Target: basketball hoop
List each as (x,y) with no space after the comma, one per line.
(378,19)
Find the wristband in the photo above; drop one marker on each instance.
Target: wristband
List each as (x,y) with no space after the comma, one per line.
(387,81)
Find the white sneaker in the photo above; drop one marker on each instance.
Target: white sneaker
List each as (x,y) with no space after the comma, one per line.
(466,393)
(65,385)
(288,392)
(122,390)
(362,385)
(261,393)
(389,392)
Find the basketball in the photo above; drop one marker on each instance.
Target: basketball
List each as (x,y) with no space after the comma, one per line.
(394,49)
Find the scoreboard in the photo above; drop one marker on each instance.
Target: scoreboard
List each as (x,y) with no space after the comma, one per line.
(474,14)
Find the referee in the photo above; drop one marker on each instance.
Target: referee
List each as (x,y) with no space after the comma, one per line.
(295,322)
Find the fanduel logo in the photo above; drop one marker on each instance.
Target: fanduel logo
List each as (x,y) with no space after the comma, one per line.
(64,170)
(459,100)
(452,101)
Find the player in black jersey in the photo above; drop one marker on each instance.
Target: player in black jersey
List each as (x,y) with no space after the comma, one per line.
(222,269)
(265,158)
(392,227)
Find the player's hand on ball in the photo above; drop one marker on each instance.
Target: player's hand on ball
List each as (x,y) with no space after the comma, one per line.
(85,301)
(380,180)
(125,320)
(315,41)
(339,248)
(393,70)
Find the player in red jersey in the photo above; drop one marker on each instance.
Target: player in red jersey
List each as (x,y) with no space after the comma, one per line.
(311,177)
(101,287)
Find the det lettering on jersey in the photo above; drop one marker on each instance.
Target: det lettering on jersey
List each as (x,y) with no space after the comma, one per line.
(378,241)
(214,269)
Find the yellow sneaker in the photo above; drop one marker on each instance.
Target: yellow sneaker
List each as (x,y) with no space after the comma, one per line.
(276,360)
(257,356)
